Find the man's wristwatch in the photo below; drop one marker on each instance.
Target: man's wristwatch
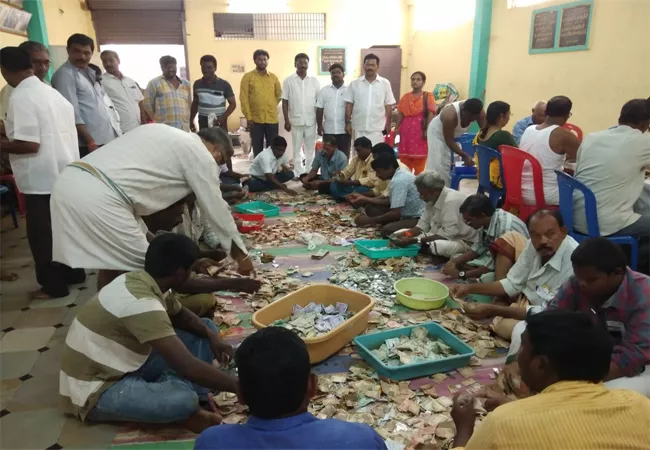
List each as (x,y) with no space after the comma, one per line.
(418,240)
(462,275)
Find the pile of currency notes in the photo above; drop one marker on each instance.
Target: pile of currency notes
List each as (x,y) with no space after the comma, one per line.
(315,319)
(416,348)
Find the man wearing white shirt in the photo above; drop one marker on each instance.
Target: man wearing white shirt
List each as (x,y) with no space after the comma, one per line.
(270,169)
(123,91)
(40,125)
(612,163)
(441,230)
(541,269)
(299,93)
(369,103)
(330,106)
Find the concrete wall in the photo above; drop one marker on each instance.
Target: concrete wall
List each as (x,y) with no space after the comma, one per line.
(616,68)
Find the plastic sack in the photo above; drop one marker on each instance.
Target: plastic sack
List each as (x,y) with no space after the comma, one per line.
(312,240)
(444,93)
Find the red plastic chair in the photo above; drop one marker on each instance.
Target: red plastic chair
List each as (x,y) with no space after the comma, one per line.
(20,197)
(575,129)
(513,165)
(390,139)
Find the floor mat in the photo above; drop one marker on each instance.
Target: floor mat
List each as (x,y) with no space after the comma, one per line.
(286,256)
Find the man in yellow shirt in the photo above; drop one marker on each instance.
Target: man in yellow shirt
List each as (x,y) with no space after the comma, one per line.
(358,176)
(259,96)
(564,357)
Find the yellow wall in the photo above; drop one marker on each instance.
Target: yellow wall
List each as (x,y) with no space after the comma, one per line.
(66,17)
(350,23)
(615,69)
(440,42)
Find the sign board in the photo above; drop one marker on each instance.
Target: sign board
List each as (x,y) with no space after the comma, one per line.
(575,26)
(561,28)
(328,56)
(544,26)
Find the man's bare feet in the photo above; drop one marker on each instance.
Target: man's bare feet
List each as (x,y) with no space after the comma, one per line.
(39,295)
(201,420)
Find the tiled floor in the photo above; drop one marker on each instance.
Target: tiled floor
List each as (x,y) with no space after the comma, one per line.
(31,339)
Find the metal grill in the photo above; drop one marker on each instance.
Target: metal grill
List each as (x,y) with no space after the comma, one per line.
(270,27)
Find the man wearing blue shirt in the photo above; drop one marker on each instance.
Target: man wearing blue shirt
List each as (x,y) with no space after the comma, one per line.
(406,206)
(276,383)
(538,116)
(331,161)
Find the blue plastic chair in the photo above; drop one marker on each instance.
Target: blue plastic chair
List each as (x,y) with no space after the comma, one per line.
(4,190)
(485,155)
(567,185)
(463,172)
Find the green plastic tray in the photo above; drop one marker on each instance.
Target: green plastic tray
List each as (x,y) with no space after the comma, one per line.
(369,248)
(368,342)
(258,208)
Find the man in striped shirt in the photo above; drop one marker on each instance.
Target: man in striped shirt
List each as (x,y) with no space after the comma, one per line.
(134,355)
(501,239)
(564,358)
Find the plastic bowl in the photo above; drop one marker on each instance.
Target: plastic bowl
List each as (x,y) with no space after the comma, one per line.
(421,293)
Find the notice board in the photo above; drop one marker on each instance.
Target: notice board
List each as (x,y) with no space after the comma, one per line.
(328,56)
(561,28)
(543,32)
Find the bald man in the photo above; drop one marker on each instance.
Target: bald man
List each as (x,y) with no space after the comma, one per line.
(538,115)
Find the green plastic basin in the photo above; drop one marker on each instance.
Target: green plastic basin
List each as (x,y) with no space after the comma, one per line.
(421,293)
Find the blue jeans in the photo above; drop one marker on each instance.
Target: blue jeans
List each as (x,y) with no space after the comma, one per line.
(155,393)
(339,191)
(259,185)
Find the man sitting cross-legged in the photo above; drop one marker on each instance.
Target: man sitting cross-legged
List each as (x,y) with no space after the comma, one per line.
(358,176)
(441,230)
(564,358)
(331,161)
(541,269)
(501,239)
(406,207)
(132,355)
(376,202)
(270,169)
(276,383)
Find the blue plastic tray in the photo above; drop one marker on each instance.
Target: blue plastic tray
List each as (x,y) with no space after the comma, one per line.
(258,208)
(369,342)
(368,248)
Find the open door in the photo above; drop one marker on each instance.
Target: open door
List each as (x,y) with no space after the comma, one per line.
(390,65)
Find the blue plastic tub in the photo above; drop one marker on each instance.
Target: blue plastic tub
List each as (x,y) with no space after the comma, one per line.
(258,208)
(369,248)
(369,342)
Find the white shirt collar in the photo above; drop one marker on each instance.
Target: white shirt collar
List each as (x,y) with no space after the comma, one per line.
(556,260)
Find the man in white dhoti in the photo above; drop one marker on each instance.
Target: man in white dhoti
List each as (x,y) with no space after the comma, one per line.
(441,230)
(97,203)
(452,122)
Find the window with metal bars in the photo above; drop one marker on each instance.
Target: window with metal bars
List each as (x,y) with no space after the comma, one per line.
(270,27)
